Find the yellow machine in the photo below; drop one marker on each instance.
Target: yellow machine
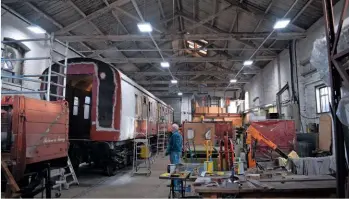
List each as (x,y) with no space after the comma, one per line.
(255,134)
(208,164)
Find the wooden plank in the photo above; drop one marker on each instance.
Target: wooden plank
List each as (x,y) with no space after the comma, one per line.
(9,177)
(325,132)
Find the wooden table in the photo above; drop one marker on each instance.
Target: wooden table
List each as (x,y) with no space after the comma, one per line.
(298,186)
(182,179)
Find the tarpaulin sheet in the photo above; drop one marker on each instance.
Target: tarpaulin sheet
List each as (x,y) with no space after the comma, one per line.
(281,132)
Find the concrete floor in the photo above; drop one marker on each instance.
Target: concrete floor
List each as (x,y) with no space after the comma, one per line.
(93,184)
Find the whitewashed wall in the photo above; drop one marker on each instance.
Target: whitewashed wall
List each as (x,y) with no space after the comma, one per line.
(14,28)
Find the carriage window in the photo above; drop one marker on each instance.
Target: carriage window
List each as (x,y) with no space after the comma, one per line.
(149,112)
(76,106)
(87,107)
(136,104)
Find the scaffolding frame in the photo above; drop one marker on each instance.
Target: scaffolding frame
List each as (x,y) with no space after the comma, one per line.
(338,74)
(60,74)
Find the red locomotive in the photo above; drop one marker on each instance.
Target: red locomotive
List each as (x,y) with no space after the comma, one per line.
(107,111)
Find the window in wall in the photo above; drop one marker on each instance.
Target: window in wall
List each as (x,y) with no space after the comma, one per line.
(76,106)
(247,104)
(11,68)
(322,99)
(198,44)
(87,107)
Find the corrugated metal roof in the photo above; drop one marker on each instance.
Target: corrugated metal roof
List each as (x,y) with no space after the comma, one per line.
(249,13)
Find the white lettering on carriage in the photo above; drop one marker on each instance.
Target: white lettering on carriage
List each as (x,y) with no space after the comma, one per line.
(53,140)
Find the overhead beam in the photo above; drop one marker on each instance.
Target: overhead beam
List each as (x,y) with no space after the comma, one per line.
(214,29)
(44,15)
(190,82)
(185,59)
(259,13)
(243,36)
(91,23)
(200,23)
(214,10)
(92,16)
(190,89)
(188,73)
(176,49)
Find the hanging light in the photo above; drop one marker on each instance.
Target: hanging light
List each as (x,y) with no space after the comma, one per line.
(36,29)
(165,64)
(233,80)
(281,23)
(248,63)
(145,27)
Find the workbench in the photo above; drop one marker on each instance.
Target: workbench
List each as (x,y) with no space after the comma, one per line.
(182,178)
(289,186)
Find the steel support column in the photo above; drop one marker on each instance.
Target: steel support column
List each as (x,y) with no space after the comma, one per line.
(337,74)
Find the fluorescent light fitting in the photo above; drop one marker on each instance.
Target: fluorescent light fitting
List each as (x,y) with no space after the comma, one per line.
(165,64)
(204,41)
(255,109)
(248,63)
(36,29)
(268,105)
(281,23)
(174,81)
(233,81)
(203,51)
(145,27)
(180,93)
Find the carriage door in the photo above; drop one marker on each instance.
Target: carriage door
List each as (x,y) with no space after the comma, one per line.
(80,113)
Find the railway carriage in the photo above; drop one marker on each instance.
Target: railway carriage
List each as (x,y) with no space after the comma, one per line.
(107,111)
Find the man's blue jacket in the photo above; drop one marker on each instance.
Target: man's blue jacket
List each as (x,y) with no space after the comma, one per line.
(175,143)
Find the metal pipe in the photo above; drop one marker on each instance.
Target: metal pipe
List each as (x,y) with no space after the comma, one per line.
(20,92)
(24,40)
(24,59)
(49,71)
(22,78)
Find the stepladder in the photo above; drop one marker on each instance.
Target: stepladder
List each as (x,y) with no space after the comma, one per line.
(141,152)
(67,177)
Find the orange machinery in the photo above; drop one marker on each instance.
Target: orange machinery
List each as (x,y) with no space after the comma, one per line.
(253,133)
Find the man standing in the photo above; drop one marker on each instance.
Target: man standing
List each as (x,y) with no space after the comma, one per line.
(174,149)
(175,145)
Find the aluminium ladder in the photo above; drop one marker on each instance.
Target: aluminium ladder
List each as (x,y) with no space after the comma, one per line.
(141,166)
(161,139)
